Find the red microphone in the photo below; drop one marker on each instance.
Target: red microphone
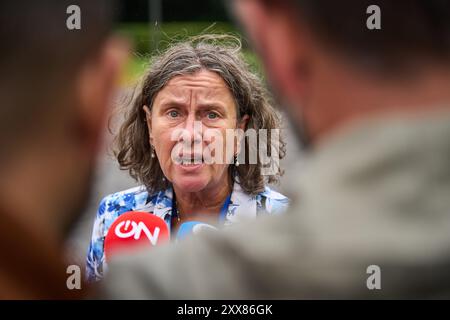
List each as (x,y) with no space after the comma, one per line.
(135,229)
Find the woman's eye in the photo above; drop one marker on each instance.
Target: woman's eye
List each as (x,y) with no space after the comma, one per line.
(173,114)
(212,115)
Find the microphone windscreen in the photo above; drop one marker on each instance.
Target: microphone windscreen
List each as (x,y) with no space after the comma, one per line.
(193,227)
(135,229)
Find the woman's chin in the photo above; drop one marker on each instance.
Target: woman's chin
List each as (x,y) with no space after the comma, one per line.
(191,184)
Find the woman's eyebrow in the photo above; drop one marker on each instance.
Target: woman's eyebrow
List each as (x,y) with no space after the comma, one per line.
(212,105)
(166,104)
(172,104)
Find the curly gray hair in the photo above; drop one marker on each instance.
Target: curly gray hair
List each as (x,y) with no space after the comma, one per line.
(217,53)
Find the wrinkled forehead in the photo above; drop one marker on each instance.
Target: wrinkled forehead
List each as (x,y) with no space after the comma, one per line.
(203,85)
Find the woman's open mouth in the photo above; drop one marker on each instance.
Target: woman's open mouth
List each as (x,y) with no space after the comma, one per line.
(190,163)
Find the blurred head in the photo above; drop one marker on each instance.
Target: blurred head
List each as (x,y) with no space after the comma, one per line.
(191,95)
(55,87)
(329,68)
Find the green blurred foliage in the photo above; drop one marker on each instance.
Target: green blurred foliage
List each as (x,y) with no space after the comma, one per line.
(147,40)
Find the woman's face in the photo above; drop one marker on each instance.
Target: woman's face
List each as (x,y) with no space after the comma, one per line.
(182,113)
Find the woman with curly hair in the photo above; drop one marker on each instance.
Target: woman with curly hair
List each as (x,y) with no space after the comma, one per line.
(174,141)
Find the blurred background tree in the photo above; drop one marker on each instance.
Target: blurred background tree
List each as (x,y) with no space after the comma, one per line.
(152,25)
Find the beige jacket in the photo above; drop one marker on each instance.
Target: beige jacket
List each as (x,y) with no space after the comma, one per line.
(374,194)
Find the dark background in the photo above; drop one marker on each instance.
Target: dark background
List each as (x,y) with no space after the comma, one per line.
(173,10)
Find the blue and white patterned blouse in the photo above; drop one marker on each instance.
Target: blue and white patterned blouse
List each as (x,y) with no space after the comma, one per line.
(242,206)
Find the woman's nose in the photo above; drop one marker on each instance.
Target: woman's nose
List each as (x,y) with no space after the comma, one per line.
(192,130)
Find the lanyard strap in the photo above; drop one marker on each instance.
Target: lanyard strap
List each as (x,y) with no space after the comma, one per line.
(224,209)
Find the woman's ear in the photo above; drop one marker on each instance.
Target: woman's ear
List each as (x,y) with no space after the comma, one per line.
(243,122)
(148,118)
(243,126)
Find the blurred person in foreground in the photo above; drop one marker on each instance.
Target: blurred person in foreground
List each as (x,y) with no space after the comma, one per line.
(55,88)
(180,140)
(373,108)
